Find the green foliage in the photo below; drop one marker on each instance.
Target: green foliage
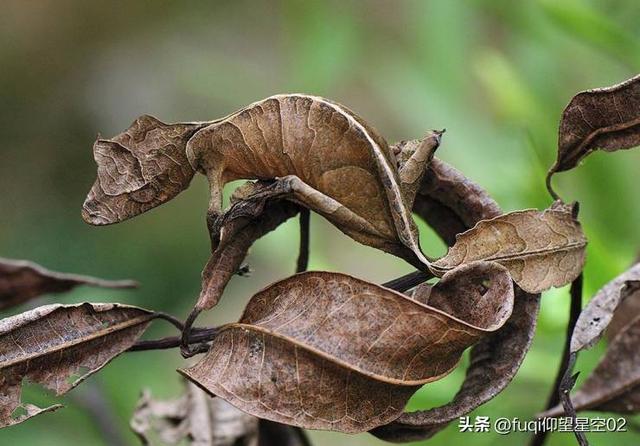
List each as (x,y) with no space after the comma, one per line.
(496,74)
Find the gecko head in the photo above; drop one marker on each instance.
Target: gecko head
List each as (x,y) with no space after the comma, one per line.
(139,169)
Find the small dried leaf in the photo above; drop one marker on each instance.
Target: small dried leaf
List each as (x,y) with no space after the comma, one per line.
(461,199)
(58,346)
(139,169)
(370,346)
(597,315)
(194,417)
(627,310)
(496,358)
(541,249)
(614,385)
(602,118)
(21,280)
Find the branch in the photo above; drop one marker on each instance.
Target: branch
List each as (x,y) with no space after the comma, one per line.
(303,256)
(92,399)
(198,335)
(408,281)
(564,381)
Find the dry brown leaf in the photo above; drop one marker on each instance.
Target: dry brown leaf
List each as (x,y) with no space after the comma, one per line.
(21,280)
(597,315)
(602,118)
(194,417)
(496,358)
(494,361)
(614,385)
(370,346)
(627,310)
(319,153)
(139,169)
(451,203)
(58,346)
(541,249)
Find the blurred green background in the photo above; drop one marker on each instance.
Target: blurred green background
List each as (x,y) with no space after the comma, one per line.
(496,74)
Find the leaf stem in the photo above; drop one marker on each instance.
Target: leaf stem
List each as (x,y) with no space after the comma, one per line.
(171,319)
(552,192)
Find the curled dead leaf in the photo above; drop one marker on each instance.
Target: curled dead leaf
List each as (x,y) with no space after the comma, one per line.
(371,346)
(21,280)
(494,360)
(597,315)
(614,385)
(58,346)
(541,249)
(601,118)
(194,417)
(451,203)
(627,310)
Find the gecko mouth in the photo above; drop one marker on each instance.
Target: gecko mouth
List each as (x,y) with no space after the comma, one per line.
(99,209)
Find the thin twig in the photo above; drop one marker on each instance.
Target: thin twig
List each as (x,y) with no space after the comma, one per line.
(187,332)
(303,256)
(301,266)
(171,319)
(554,397)
(568,378)
(198,335)
(408,281)
(92,399)
(568,381)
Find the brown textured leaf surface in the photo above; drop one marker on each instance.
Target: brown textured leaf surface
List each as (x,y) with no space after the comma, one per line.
(140,168)
(627,310)
(328,351)
(541,249)
(21,280)
(494,360)
(327,158)
(602,118)
(196,418)
(614,385)
(598,314)
(321,154)
(58,346)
